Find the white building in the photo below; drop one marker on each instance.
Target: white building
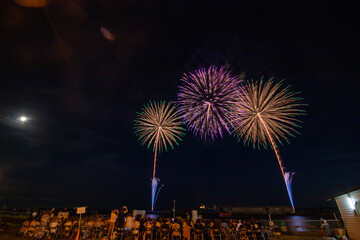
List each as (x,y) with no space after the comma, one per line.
(349,205)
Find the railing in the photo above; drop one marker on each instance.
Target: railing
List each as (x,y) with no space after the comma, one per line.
(299,227)
(14,218)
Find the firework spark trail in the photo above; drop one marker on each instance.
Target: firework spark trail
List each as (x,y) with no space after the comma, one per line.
(158,191)
(206,98)
(154,182)
(153,187)
(273,145)
(265,115)
(288,182)
(159,125)
(285,175)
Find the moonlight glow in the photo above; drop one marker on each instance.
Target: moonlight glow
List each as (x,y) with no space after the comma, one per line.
(23,119)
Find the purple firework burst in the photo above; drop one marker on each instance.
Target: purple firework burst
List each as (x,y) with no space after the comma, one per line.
(206,98)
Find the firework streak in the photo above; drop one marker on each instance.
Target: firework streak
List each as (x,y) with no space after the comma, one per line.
(265,115)
(158,125)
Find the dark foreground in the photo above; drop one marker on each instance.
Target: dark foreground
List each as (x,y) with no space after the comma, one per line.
(10,235)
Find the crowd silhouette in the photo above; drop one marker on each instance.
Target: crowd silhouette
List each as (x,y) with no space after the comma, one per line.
(122,226)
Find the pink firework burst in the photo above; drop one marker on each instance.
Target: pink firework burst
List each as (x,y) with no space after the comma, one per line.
(206,100)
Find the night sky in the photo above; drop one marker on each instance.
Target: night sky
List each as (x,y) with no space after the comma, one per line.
(82,93)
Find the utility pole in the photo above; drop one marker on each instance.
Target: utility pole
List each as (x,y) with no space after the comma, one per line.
(174,210)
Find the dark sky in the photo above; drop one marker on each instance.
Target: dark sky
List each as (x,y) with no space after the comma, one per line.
(83,91)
